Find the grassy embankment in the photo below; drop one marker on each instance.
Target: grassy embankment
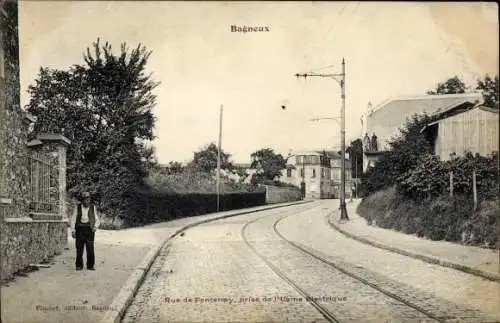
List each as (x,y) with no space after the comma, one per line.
(439,218)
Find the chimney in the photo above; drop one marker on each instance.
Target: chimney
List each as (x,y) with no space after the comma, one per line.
(369,107)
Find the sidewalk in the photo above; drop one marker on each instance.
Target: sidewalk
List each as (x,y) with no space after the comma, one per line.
(474,260)
(117,255)
(61,294)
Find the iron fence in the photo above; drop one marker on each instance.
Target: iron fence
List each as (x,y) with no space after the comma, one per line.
(43,183)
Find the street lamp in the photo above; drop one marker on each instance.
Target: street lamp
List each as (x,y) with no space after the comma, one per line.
(340,78)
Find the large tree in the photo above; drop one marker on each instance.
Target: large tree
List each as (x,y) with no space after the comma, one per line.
(104,107)
(205,159)
(405,153)
(490,88)
(451,86)
(488,85)
(268,163)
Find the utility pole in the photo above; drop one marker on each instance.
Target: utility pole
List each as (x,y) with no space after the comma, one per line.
(218,159)
(356,172)
(352,180)
(340,78)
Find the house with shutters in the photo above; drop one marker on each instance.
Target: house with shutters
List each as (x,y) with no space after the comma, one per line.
(317,173)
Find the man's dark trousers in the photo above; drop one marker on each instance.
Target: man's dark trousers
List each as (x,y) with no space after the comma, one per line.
(84,239)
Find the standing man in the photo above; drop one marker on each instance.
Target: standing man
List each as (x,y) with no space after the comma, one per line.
(84,224)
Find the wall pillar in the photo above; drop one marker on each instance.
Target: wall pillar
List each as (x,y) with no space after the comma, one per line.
(55,145)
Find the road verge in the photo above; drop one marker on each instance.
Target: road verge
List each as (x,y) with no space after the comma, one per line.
(428,259)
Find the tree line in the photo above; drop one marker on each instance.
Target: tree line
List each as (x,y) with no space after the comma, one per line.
(104,106)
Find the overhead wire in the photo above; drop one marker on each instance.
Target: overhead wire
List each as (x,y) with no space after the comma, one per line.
(332,26)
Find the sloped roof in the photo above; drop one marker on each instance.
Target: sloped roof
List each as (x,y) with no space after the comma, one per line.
(331,154)
(458,110)
(399,108)
(437,101)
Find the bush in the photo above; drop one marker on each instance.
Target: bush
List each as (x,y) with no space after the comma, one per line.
(150,207)
(482,228)
(427,180)
(430,179)
(194,182)
(376,204)
(405,153)
(440,218)
(486,174)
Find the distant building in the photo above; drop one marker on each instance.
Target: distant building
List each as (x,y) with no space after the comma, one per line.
(464,129)
(317,173)
(384,121)
(248,173)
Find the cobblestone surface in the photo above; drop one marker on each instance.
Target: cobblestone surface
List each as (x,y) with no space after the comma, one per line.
(211,275)
(442,291)
(358,302)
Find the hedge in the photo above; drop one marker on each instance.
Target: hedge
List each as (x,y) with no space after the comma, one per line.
(437,218)
(430,179)
(150,207)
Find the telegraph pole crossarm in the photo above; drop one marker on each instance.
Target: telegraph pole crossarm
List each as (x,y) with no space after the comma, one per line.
(325,118)
(336,77)
(340,78)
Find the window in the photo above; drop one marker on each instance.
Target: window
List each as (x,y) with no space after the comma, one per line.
(314,173)
(289,172)
(322,172)
(302,173)
(324,161)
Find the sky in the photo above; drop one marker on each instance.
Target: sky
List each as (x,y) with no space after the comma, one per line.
(390,49)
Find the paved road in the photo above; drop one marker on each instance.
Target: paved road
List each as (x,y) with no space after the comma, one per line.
(242,269)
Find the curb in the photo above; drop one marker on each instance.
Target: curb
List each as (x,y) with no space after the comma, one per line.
(428,259)
(129,289)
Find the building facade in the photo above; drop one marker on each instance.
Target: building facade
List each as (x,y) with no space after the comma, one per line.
(32,174)
(317,173)
(385,120)
(472,130)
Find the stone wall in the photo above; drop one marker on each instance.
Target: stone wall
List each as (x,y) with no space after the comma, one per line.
(27,242)
(275,194)
(29,235)
(13,129)
(25,237)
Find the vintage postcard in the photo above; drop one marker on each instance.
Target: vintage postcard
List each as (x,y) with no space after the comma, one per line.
(249,161)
